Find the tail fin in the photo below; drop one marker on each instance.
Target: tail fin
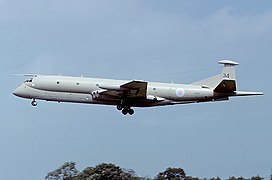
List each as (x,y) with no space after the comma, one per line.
(224,82)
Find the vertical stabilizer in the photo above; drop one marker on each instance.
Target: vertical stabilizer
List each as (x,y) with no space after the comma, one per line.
(224,82)
(228,71)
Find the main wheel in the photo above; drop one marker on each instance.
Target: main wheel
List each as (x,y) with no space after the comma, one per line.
(125,111)
(131,111)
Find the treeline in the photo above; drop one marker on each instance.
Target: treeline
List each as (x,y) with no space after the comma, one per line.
(110,171)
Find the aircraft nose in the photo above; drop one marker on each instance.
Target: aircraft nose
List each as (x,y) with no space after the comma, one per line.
(18,91)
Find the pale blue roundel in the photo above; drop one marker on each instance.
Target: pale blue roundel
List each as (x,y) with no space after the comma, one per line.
(180,92)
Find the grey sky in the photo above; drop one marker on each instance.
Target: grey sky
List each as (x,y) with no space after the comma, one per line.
(136,40)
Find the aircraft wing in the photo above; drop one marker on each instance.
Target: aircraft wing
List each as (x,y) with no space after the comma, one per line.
(135,89)
(131,90)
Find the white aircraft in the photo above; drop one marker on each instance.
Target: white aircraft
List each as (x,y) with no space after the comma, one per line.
(127,94)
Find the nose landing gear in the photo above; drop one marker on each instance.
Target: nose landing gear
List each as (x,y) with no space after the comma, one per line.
(34,103)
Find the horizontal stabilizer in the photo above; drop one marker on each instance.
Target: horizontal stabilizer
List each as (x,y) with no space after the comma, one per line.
(245,93)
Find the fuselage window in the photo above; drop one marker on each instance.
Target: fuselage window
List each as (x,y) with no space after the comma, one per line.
(77,83)
(58,82)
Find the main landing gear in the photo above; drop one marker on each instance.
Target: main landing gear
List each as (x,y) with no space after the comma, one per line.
(34,102)
(125,109)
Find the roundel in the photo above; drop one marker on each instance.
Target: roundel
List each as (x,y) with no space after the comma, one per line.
(180,92)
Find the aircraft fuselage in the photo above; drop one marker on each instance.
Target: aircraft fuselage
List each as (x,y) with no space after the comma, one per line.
(131,93)
(82,90)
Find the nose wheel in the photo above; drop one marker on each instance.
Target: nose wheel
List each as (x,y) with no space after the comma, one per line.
(34,103)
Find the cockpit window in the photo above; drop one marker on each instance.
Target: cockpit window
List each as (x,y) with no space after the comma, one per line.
(29,80)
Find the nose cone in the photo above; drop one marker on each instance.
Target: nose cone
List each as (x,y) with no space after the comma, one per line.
(19,91)
(16,92)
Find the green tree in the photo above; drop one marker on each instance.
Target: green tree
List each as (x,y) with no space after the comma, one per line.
(191,178)
(105,172)
(234,178)
(256,178)
(217,178)
(66,171)
(171,174)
